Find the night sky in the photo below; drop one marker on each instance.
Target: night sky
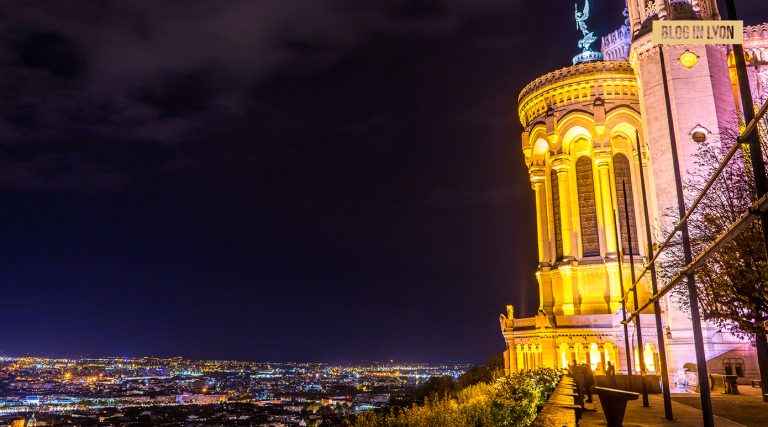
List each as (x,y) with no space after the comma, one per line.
(335,180)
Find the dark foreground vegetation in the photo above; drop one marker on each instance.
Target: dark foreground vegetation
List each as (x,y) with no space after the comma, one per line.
(482,398)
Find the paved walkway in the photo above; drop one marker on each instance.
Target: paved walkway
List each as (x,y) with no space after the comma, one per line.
(637,415)
(747,408)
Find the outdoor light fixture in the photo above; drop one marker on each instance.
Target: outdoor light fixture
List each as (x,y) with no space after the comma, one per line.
(699,136)
(688,59)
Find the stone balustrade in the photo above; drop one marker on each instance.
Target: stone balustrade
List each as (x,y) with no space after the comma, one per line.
(560,409)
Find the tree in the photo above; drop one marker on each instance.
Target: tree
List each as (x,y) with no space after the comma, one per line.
(436,387)
(475,375)
(496,362)
(733,283)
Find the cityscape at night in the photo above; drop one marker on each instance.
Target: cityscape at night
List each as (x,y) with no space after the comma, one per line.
(181,392)
(383,213)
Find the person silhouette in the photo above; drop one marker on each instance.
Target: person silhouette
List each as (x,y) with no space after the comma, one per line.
(589,381)
(610,372)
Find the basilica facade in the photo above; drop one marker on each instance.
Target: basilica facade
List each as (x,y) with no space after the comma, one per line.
(581,127)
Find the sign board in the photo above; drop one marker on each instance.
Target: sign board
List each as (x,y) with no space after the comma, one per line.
(698,32)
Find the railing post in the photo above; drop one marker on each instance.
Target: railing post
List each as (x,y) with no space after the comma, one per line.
(623,303)
(638,326)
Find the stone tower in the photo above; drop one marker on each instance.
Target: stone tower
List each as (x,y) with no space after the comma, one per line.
(702,104)
(579,127)
(579,145)
(701,96)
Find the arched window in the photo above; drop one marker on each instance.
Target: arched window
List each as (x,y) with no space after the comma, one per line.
(556,215)
(734,367)
(564,352)
(594,356)
(608,349)
(622,174)
(649,357)
(578,352)
(590,241)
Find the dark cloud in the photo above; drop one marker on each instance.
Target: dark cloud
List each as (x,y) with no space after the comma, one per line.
(161,71)
(258,179)
(51,52)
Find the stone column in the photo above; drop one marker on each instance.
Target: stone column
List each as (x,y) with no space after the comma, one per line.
(566,280)
(512,357)
(634,14)
(602,367)
(538,181)
(562,165)
(526,357)
(606,197)
(664,9)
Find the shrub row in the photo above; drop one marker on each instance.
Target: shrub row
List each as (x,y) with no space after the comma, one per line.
(508,401)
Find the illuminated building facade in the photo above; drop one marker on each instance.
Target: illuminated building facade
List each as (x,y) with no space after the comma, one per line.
(756,51)
(580,150)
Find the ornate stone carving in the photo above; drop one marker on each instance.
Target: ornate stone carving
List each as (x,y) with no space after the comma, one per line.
(585,184)
(651,9)
(623,173)
(556,215)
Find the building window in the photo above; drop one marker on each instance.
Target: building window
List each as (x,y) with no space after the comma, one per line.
(594,356)
(649,357)
(623,174)
(608,351)
(556,215)
(734,367)
(590,241)
(564,352)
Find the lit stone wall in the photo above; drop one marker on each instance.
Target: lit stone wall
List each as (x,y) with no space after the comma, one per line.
(577,121)
(615,46)
(579,146)
(702,101)
(756,52)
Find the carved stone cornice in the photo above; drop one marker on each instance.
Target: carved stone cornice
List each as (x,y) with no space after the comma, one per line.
(561,162)
(573,86)
(537,174)
(602,156)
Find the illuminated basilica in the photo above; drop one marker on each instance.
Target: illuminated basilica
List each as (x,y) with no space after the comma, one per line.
(579,144)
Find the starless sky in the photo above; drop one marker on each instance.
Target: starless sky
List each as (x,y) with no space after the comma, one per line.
(332,180)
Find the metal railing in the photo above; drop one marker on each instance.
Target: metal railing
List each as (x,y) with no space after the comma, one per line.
(746,218)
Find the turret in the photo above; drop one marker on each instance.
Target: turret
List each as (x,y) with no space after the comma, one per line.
(643,12)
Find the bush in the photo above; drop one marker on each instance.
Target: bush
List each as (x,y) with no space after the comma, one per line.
(546,380)
(515,400)
(508,402)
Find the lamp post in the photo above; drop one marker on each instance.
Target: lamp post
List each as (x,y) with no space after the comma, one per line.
(698,339)
(623,303)
(655,289)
